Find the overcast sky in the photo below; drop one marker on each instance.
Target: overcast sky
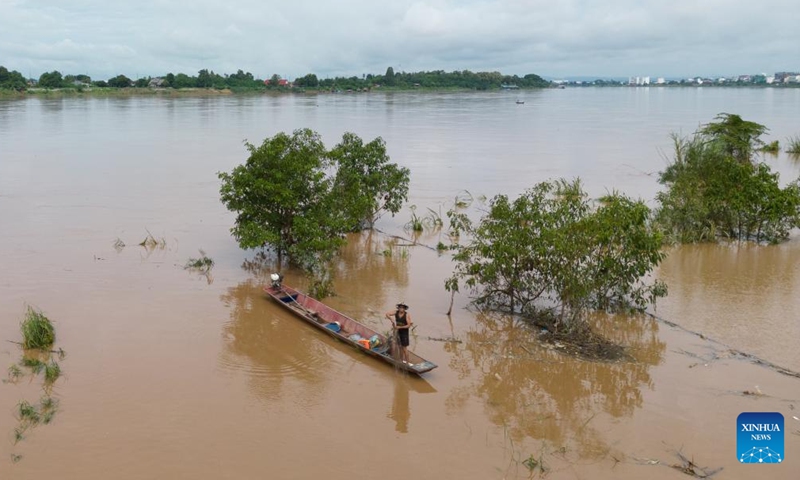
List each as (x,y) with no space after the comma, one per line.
(552,38)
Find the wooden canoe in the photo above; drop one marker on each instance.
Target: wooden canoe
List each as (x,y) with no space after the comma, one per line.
(345,329)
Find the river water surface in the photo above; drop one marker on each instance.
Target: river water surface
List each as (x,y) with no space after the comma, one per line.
(171,374)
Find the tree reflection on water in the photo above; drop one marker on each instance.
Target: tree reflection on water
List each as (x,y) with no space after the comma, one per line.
(536,392)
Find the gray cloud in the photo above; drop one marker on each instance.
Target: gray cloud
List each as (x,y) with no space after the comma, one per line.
(351,37)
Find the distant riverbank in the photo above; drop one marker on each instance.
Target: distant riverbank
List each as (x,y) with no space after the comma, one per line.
(204,92)
(168,91)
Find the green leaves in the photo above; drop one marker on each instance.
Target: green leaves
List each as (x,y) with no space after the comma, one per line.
(366,182)
(717,189)
(736,137)
(296,197)
(283,179)
(554,249)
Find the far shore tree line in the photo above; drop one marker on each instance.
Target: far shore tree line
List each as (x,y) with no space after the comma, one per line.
(552,254)
(243,81)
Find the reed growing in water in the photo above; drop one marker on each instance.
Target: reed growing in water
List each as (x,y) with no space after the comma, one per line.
(794,145)
(37,330)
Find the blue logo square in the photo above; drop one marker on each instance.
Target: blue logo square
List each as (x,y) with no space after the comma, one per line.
(759,437)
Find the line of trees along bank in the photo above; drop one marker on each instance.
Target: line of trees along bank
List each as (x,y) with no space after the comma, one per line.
(241,80)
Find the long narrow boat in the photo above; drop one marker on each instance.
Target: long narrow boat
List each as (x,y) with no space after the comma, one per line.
(344,328)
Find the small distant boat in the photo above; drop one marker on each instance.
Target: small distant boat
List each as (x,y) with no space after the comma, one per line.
(344,328)
(520,102)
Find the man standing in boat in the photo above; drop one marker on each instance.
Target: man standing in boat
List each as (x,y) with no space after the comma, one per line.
(401,323)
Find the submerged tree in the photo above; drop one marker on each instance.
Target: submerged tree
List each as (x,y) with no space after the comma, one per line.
(278,192)
(554,254)
(366,182)
(718,188)
(735,137)
(295,197)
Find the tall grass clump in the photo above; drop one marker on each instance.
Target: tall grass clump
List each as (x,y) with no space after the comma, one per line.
(37,330)
(794,145)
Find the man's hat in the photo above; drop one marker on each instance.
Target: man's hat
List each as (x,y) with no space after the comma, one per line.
(401,304)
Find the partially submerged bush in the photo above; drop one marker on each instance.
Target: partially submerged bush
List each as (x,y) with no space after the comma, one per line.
(37,330)
(553,253)
(716,188)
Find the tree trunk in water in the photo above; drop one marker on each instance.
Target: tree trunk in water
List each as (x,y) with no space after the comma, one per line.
(452,297)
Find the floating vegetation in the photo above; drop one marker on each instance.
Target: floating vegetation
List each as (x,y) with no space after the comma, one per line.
(772,147)
(441,247)
(52,371)
(38,337)
(150,242)
(28,414)
(19,435)
(119,244)
(794,145)
(37,330)
(204,264)
(47,408)
(36,365)
(533,464)
(14,373)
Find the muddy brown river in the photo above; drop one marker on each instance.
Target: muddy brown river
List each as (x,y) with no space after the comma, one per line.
(172,374)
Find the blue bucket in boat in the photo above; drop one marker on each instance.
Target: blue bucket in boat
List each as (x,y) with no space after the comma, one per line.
(334,326)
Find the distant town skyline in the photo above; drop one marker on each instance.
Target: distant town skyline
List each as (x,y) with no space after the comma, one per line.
(579,38)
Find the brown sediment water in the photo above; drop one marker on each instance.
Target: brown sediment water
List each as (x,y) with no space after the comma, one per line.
(171,374)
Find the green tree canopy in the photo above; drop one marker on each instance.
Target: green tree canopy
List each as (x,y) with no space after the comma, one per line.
(13,79)
(120,81)
(737,138)
(277,191)
(295,197)
(717,189)
(182,80)
(366,182)
(389,78)
(51,80)
(553,252)
(309,80)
